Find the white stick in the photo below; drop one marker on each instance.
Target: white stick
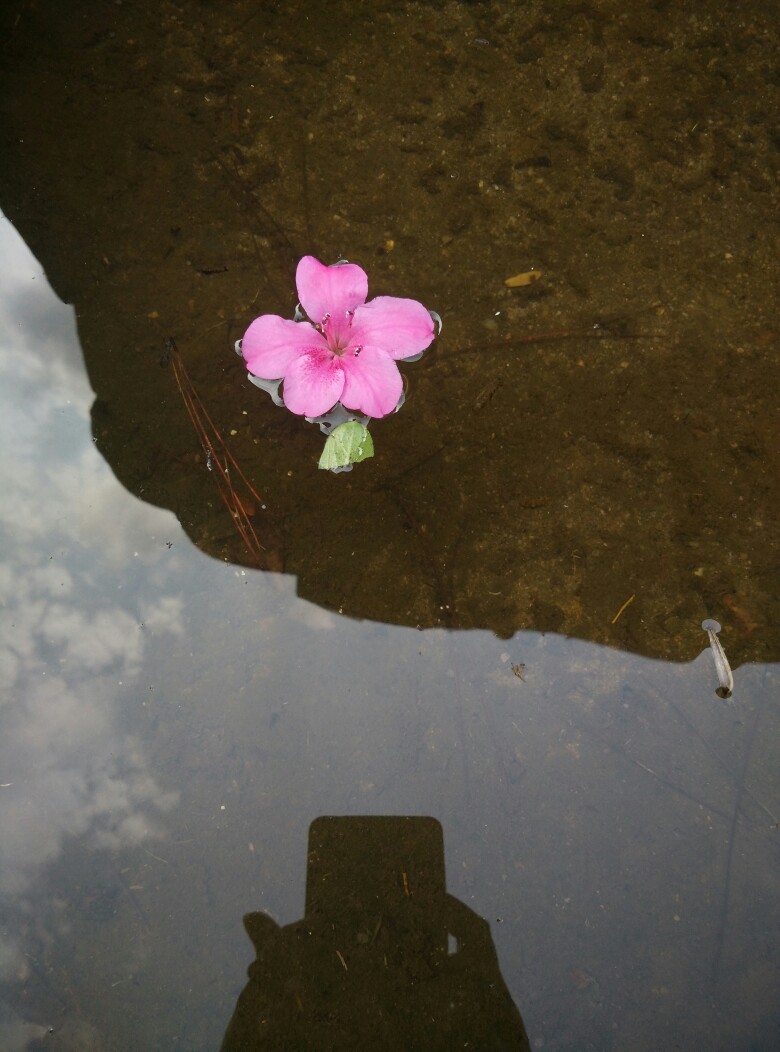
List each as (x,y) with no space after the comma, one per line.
(722,667)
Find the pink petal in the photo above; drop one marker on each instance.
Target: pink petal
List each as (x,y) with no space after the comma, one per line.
(400,327)
(271,344)
(373,382)
(313,383)
(330,290)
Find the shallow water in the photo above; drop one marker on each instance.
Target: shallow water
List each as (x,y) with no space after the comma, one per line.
(173,725)
(176,722)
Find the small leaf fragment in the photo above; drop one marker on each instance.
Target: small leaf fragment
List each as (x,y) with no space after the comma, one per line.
(346,444)
(519,280)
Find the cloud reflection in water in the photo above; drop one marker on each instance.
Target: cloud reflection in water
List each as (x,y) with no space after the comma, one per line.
(74,630)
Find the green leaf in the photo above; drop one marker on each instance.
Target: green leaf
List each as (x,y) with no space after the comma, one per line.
(346,444)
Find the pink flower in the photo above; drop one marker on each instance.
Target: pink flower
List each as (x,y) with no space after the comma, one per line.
(347,351)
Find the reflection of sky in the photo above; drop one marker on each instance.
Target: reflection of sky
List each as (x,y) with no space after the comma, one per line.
(155,701)
(69,641)
(66,645)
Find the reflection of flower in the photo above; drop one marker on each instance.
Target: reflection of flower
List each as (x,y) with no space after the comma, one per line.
(348,348)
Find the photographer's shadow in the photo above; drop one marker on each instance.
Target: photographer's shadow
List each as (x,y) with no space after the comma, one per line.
(384,958)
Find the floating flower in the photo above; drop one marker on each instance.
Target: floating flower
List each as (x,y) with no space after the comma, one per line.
(345,350)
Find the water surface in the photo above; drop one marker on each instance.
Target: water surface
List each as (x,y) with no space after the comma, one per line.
(443,634)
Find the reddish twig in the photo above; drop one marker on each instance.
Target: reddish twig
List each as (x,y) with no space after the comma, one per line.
(219,459)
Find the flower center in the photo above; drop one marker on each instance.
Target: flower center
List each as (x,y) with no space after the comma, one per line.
(337,332)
